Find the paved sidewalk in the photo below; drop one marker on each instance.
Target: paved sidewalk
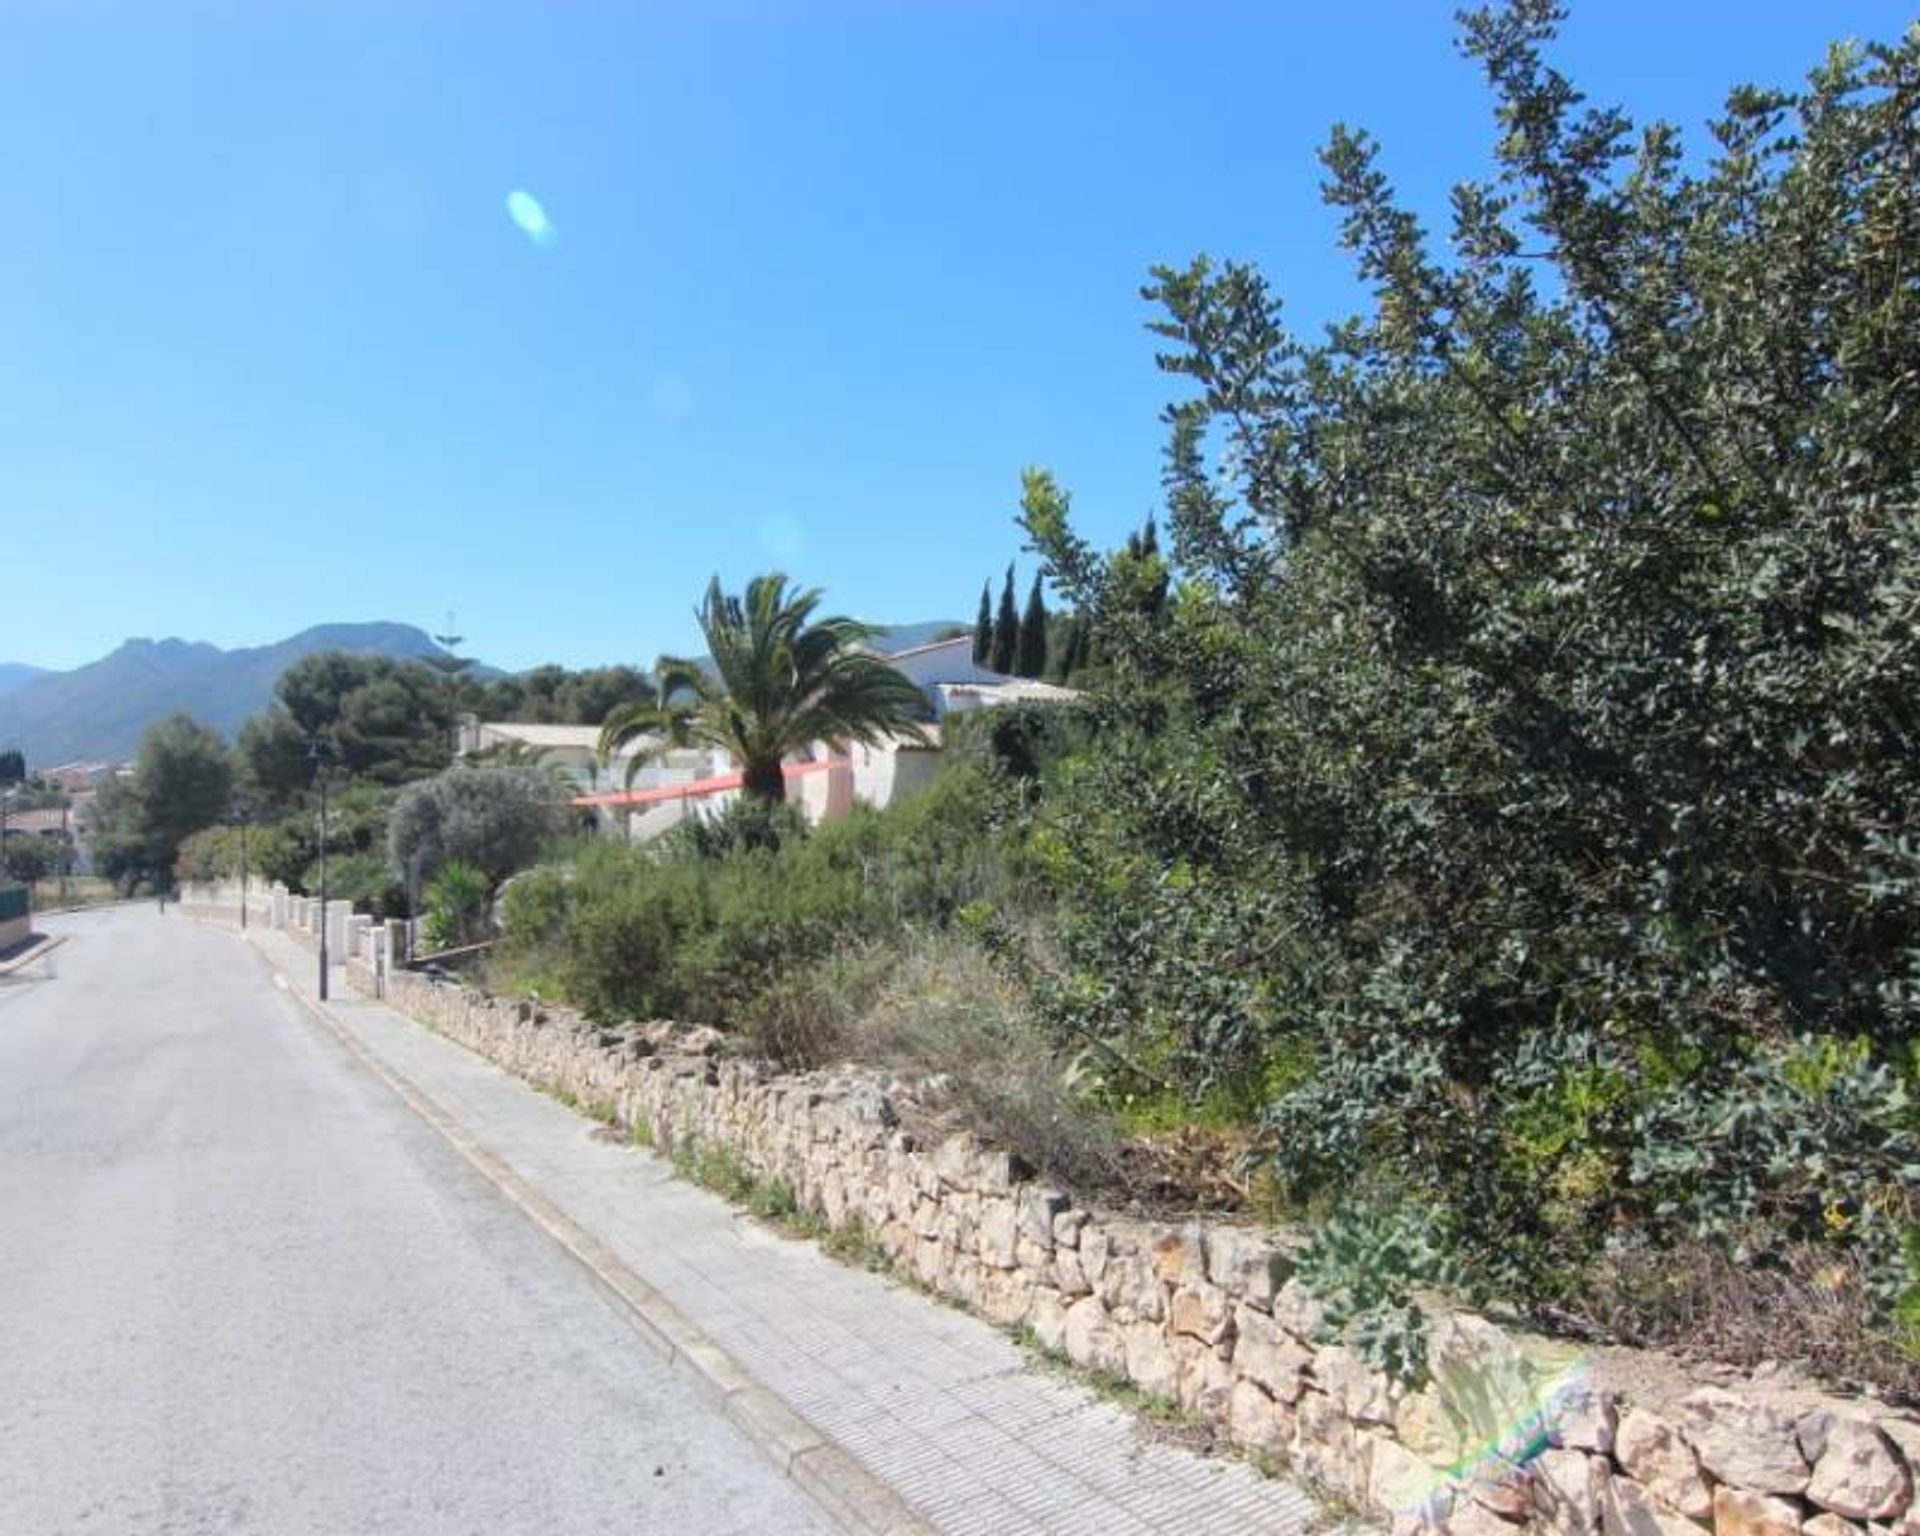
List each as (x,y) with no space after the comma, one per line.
(941,1407)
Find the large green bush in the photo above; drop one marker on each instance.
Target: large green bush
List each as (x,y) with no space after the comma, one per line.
(288,849)
(749,921)
(456,905)
(1514,791)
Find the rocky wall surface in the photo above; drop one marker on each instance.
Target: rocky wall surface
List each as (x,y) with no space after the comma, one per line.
(1511,1431)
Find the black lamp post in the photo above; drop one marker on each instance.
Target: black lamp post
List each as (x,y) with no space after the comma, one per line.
(318,755)
(242,813)
(413,900)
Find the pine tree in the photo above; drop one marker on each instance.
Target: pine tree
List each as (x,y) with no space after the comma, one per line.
(1006,630)
(1030,651)
(983,627)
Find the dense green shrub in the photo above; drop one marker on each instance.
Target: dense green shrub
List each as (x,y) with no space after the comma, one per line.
(456,905)
(752,922)
(631,914)
(288,849)
(676,933)
(1513,787)
(212,853)
(360,876)
(535,907)
(1366,1265)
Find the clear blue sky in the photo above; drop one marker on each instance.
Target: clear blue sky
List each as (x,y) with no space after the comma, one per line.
(826,276)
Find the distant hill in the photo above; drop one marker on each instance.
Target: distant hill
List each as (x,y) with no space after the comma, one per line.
(100,711)
(17,674)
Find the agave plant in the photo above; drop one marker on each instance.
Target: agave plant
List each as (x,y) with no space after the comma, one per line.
(780,680)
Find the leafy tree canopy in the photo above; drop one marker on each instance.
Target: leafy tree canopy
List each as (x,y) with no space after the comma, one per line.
(182,781)
(382,720)
(1508,773)
(552,695)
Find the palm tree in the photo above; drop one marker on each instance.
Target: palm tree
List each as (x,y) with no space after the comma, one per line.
(780,681)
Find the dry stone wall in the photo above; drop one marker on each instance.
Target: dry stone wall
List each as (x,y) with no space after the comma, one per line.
(1511,1432)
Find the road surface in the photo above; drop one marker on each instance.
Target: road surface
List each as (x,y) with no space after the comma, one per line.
(243,1289)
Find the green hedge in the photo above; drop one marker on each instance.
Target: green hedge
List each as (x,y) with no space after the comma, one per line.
(13,902)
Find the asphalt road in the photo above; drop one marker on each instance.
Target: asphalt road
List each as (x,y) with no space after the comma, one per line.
(243,1289)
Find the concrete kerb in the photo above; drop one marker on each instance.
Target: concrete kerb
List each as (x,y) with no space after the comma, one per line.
(830,1475)
(36,948)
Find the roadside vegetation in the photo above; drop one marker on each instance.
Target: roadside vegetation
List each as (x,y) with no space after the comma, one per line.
(1493,811)
(1487,830)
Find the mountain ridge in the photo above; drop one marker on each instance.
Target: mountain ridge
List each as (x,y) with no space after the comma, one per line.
(100,710)
(17,674)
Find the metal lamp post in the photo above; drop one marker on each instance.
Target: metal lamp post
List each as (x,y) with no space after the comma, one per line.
(243,814)
(413,900)
(318,756)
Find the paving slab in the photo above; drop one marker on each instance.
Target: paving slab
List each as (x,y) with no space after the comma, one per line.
(936,1405)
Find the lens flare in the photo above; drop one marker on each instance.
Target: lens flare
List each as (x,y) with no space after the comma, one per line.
(525,211)
(1485,1414)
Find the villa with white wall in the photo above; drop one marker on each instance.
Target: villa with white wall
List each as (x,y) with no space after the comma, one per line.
(639,796)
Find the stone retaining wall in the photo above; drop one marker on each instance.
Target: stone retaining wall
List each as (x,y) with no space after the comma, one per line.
(1512,1431)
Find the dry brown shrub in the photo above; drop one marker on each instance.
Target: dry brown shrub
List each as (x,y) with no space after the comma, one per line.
(1800,1306)
(946,1015)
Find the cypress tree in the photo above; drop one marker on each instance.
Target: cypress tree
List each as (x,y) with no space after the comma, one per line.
(1006,630)
(1073,647)
(983,627)
(1030,652)
(1150,577)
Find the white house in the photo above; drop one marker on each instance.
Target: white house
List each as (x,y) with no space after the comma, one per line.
(663,792)
(575,750)
(940,664)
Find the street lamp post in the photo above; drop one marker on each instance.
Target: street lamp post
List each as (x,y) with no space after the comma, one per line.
(242,814)
(318,757)
(413,900)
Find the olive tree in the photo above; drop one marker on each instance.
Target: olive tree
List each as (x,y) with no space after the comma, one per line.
(495,818)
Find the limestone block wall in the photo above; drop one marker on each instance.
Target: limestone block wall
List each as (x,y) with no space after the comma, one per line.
(1511,1432)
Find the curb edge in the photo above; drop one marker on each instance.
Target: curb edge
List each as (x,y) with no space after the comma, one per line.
(829,1474)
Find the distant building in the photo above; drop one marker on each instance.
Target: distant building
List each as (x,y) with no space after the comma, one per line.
(76,778)
(940,664)
(608,788)
(821,785)
(574,749)
(955,683)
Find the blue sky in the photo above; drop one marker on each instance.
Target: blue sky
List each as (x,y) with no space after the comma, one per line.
(824,278)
